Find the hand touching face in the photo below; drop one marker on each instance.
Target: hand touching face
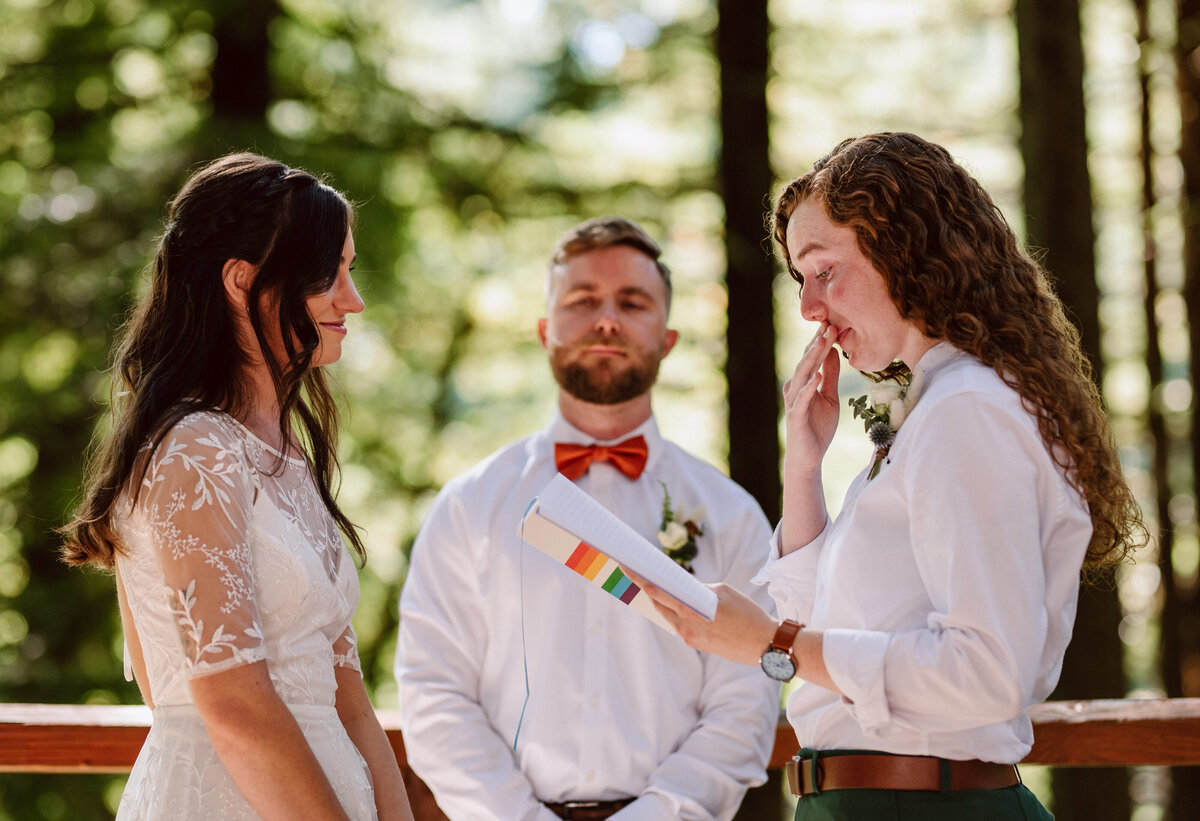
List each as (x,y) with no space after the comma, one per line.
(843,290)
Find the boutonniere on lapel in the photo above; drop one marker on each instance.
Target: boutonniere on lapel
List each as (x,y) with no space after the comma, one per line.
(883,409)
(678,533)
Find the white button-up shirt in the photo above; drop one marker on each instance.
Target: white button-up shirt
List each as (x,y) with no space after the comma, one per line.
(947,585)
(617,706)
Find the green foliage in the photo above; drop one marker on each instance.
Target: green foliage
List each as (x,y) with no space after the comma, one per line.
(470,141)
(471,137)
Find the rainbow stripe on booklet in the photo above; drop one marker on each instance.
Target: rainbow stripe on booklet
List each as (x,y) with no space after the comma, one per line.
(583,559)
(594,566)
(578,532)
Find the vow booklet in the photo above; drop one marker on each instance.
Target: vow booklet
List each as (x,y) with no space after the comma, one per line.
(573,528)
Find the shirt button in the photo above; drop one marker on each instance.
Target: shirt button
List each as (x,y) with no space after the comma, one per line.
(594,701)
(596,629)
(591,775)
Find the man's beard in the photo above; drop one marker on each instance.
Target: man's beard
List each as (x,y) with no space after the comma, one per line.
(601,384)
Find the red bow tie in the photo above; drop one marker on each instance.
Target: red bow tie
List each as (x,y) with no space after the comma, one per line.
(629,457)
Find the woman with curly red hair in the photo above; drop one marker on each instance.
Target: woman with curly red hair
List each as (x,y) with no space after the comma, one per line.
(936,608)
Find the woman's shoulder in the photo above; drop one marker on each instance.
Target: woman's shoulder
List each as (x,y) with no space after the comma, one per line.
(207,428)
(200,458)
(201,440)
(964,374)
(963,385)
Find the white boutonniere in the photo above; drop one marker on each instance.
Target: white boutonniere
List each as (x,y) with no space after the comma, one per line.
(883,410)
(678,533)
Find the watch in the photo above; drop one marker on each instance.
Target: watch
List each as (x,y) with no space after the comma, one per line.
(777,660)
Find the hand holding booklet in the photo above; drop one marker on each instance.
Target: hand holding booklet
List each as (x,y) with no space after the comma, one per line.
(573,528)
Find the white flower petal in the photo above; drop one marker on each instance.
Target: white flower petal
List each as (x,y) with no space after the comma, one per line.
(673,536)
(883,393)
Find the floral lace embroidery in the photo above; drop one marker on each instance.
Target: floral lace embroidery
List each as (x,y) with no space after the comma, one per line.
(194,629)
(300,505)
(198,492)
(232,558)
(345,651)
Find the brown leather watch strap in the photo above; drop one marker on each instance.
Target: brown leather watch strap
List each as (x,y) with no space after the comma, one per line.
(785,635)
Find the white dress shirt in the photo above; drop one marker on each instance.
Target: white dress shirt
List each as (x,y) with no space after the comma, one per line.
(947,585)
(617,706)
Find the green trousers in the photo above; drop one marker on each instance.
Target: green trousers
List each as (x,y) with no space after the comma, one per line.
(1011,803)
(1014,803)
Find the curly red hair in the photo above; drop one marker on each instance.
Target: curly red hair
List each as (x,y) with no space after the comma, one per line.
(954,267)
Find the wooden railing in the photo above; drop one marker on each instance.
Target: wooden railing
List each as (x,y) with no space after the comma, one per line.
(50,738)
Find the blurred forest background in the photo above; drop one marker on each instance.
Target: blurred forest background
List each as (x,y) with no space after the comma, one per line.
(472,134)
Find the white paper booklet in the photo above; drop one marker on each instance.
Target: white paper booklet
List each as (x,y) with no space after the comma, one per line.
(573,528)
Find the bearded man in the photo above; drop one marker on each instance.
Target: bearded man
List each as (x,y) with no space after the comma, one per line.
(527,693)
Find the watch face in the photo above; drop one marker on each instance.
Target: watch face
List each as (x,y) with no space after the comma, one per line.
(778,665)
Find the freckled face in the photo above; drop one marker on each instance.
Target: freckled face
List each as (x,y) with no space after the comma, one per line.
(843,289)
(329,309)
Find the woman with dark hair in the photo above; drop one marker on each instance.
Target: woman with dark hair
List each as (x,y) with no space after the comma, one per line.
(210,497)
(936,608)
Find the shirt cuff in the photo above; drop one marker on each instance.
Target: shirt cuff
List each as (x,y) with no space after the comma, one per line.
(792,579)
(651,806)
(774,552)
(855,661)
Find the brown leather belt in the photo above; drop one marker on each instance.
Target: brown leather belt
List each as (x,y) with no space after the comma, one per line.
(588,810)
(896,772)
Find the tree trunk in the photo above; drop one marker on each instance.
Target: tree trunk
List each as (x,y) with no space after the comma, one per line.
(241,79)
(745,178)
(241,74)
(1185,800)
(1169,634)
(1058,209)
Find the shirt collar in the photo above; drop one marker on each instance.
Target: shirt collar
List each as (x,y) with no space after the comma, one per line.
(936,358)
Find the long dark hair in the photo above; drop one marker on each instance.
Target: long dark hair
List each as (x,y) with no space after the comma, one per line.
(178,351)
(954,267)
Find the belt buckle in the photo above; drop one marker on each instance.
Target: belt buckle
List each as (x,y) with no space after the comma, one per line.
(795,780)
(795,776)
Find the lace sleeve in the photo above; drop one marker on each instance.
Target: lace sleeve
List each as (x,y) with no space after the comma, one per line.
(196,497)
(345,650)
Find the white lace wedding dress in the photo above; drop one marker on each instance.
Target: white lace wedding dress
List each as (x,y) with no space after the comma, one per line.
(233,558)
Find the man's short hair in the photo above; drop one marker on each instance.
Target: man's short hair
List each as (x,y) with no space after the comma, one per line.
(605,232)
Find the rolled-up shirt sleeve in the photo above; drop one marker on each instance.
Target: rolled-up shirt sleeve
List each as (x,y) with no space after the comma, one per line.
(977,510)
(791,580)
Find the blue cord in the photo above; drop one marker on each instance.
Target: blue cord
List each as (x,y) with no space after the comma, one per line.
(524,658)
